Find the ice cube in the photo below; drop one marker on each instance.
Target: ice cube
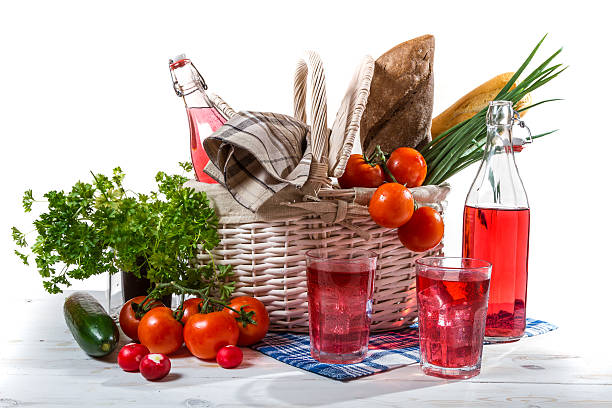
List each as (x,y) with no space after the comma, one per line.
(434,296)
(461,312)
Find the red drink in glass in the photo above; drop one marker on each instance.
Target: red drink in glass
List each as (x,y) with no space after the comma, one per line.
(501,236)
(340,288)
(452,302)
(202,123)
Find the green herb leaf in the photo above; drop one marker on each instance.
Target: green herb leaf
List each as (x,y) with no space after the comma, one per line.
(187,166)
(28,199)
(24,258)
(19,237)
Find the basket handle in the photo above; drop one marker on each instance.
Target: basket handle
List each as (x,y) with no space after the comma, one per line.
(319,133)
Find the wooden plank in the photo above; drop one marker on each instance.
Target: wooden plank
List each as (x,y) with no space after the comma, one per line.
(41,365)
(290,390)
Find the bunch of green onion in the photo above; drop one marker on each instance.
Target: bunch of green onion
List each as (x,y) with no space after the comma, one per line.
(463,144)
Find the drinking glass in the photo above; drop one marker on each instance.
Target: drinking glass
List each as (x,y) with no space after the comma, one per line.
(114,295)
(340,287)
(452,296)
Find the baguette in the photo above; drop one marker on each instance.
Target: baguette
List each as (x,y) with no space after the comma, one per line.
(472,103)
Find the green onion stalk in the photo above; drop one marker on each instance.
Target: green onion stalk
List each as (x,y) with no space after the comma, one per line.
(463,144)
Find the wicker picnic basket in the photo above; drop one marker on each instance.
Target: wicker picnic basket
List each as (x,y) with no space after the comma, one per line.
(266,248)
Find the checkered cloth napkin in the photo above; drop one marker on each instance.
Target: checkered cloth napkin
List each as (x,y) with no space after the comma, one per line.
(386,351)
(257,154)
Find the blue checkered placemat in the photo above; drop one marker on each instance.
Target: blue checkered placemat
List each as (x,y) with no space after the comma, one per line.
(386,351)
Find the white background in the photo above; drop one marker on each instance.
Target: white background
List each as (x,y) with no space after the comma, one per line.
(86,87)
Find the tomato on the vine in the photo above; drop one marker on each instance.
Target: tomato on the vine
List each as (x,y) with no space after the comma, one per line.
(191,307)
(407,166)
(252,332)
(160,331)
(130,316)
(391,206)
(424,230)
(206,333)
(359,173)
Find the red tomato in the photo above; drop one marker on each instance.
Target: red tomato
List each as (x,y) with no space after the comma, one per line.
(191,307)
(155,366)
(407,166)
(229,357)
(130,318)
(130,355)
(358,173)
(160,331)
(424,230)
(391,206)
(252,333)
(206,333)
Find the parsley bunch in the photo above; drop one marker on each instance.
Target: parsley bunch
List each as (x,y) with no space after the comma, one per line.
(100,227)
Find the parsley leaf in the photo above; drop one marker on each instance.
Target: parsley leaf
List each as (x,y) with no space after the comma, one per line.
(28,199)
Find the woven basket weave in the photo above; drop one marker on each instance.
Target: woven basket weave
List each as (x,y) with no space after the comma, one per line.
(266,248)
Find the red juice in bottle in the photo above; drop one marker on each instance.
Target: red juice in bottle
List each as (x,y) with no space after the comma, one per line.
(496,225)
(202,122)
(452,312)
(203,117)
(501,236)
(339,307)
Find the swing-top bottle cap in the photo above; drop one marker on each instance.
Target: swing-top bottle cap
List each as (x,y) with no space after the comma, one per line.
(185,81)
(178,58)
(178,61)
(500,113)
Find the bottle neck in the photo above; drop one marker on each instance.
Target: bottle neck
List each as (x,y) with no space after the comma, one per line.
(500,140)
(197,99)
(189,84)
(497,183)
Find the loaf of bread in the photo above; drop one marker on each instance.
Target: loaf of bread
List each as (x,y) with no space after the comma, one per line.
(472,103)
(399,108)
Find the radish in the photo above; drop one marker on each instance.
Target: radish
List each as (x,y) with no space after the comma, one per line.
(155,366)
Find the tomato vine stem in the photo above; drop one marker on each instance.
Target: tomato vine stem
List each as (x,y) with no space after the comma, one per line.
(382,157)
(245,318)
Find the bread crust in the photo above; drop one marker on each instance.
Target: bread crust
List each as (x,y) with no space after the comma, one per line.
(469,104)
(400,105)
(473,102)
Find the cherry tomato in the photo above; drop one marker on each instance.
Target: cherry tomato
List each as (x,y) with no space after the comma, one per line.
(191,307)
(155,366)
(160,331)
(391,206)
(407,166)
(358,173)
(252,333)
(206,333)
(229,357)
(424,230)
(130,318)
(130,355)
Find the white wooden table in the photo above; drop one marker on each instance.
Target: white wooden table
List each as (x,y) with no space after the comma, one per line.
(41,365)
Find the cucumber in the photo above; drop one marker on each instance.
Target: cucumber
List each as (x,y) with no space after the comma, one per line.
(92,328)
